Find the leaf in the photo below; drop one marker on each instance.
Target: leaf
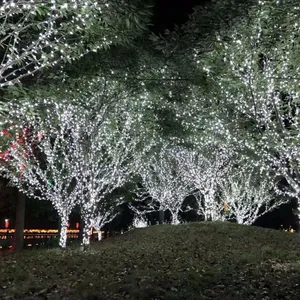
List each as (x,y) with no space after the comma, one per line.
(128,23)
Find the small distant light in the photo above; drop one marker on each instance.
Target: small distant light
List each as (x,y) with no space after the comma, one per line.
(6,223)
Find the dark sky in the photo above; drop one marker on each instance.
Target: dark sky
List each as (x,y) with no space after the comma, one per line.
(168,13)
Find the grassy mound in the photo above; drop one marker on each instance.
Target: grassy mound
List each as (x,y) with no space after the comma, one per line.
(192,261)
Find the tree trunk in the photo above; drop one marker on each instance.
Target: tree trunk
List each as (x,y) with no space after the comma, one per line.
(86,240)
(86,235)
(18,239)
(63,235)
(99,235)
(175,220)
(161,217)
(80,235)
(240,220)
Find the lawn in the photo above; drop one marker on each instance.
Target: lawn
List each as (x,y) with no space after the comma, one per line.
(214,260)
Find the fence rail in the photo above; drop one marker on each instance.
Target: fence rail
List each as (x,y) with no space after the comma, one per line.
(36,237)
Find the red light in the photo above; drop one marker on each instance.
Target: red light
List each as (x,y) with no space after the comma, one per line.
(6,132)
(6,223)
(77,225)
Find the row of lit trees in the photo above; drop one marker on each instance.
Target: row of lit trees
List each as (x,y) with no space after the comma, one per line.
(235,127)
(243,87)
(82,153)
(249,92)
(256,67)
(224,187)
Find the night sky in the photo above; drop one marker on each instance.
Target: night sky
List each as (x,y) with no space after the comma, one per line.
(168,13)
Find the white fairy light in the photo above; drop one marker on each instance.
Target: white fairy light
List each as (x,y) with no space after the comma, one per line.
(139,222)
(258,82)
(61,30)
(45,167)
(248,195)
(163,179)
(87,152)
(205,170)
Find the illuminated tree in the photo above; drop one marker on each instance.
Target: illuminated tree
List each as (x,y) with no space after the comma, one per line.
(163,179)
(248,195)
(141,206)
(103,129)
(108,162)
(254,67)
(105,212)
(114,135)
(205,170)
(139,221)
(102,170)
(39,34)
(46,168)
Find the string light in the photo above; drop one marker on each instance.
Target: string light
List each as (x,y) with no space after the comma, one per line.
(206,169)
(163,179)
(258,90)
(60,31)
(87,150)
(102,129)
(249,195)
